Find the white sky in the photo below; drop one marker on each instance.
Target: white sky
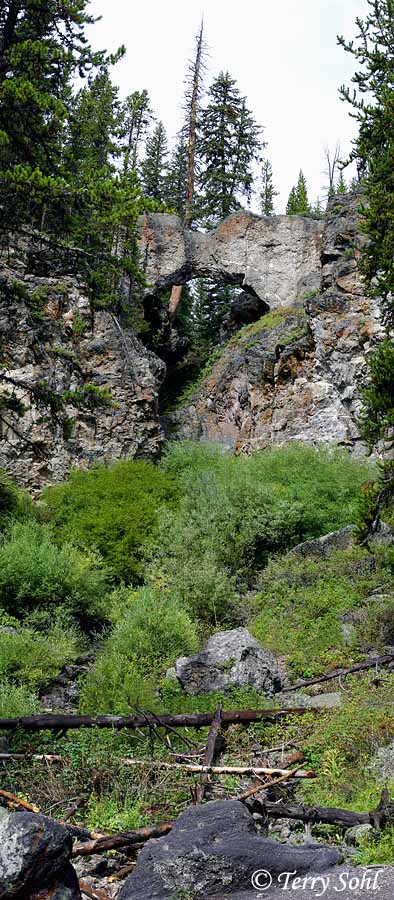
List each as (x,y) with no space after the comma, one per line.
(283,54)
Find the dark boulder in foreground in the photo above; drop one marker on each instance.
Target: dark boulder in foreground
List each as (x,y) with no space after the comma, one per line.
(213,850)
(34,856)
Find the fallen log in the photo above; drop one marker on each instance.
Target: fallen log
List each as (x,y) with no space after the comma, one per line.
(210,751)
(41,757)
(48,721)
(341,673)
(267,784)
(16,801)
(344,818)
(220,770)
(123,839)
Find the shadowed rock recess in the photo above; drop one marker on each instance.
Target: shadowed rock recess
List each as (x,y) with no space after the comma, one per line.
(294,374)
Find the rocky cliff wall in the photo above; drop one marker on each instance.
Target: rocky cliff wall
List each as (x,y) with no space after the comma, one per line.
(76,386)
(297,373)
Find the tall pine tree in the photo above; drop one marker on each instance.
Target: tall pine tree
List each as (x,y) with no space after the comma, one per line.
(136,117)
(176,178)
(43,46)
(154,165)
(267,191)
(298,203)
(372,103)
(229,144)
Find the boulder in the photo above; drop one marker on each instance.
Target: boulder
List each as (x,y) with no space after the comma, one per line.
(326,545)
(230,659)
(212,848)
(35,854)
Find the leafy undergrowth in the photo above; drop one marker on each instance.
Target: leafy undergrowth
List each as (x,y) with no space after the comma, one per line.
(320,614)
(209,559)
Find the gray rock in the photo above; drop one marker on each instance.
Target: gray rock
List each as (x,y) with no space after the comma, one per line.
(34,854)
(230,659)
(212,848)
(382,764)
(329,700)
(358,834)
(326,545)
(66,347)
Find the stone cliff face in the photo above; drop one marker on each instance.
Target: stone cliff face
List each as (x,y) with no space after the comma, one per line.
(296,374)
(77,386)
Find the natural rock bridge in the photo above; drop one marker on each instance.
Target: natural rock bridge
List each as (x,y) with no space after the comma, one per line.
(274,258)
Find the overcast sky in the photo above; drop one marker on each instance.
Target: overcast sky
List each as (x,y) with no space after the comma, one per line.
(283,54)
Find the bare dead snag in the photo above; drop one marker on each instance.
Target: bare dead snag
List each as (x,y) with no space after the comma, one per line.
(210,751)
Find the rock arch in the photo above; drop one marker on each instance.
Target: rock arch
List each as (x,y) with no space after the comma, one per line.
(273,258)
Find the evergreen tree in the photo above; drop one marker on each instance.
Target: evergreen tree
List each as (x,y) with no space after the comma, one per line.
(229,144)
(42,47)
(341,187)
(268,192)
(372,103)
(136,118)
(154,166)
(291,207)
(210,303)
(93,129)
(176,178)
(298,204)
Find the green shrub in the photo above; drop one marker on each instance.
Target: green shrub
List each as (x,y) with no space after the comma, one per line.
(31,659)
(237,511)
(14,503)
(343,741)
(113,510)
(150,635)
(302,603)
(17,700)
(36,574)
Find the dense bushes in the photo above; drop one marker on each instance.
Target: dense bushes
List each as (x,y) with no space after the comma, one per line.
(150,633)
(30,660)
(14,503)
(37,575)
(114,510)
(236,511)
(303,603)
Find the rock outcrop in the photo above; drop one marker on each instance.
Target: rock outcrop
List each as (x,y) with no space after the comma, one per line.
(213,851)
(297,373)
(76,386)
(230,659)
